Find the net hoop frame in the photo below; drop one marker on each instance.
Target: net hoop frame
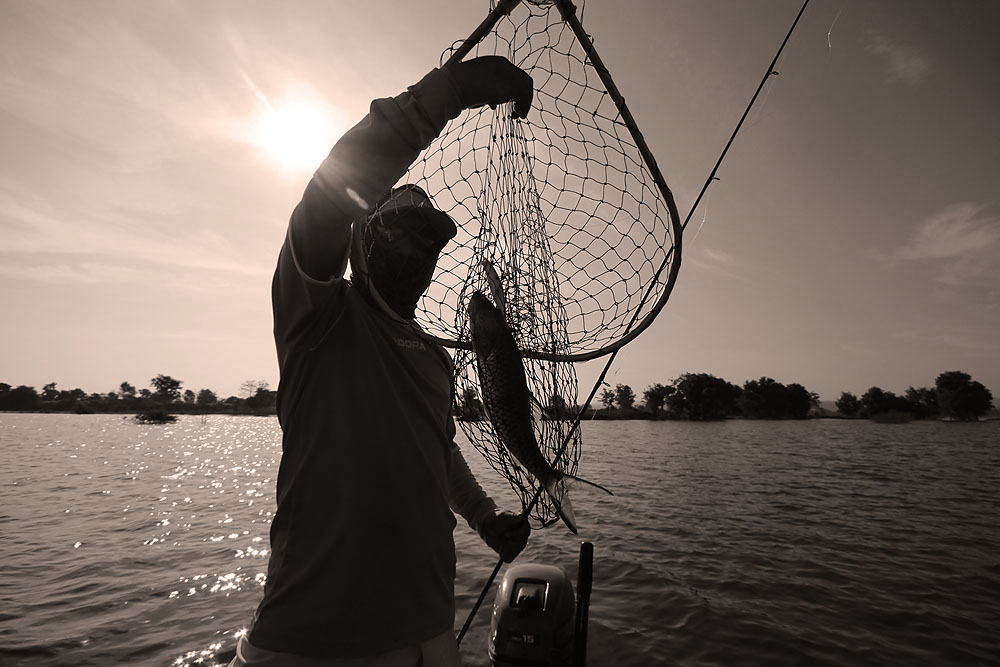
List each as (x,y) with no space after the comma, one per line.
(673,256)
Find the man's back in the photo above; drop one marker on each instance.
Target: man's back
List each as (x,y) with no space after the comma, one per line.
(364,405)
(362,556)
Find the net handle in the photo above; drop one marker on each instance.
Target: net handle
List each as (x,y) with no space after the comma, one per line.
(503,8)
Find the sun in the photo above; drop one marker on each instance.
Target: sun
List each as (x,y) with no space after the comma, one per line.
(295,133)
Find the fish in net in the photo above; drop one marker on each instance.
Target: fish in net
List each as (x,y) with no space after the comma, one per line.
(570,209)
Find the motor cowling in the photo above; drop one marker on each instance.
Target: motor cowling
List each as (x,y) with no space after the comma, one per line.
(533,618)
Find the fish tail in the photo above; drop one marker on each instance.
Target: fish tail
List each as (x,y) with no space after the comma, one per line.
(557,492)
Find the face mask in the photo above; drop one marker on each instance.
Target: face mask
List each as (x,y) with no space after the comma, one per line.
(401,262)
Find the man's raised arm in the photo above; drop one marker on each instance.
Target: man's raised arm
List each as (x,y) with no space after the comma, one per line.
(375,153)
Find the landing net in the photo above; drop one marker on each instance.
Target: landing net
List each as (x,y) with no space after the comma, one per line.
(572,214)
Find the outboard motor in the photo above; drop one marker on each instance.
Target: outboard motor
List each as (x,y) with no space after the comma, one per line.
(533,618)
(537,620)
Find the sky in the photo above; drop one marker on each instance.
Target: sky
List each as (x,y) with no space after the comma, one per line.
(152,152)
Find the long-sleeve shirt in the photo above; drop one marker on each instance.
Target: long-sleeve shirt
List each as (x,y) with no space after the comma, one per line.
(362,554)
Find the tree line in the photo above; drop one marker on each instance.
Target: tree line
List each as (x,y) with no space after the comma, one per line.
(704,397)
(164,395)
(955,396)
(693,396)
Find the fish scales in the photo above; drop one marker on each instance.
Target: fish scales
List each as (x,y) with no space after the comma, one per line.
(508,403)
(507,398)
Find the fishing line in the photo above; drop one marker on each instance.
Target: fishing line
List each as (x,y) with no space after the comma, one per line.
(767,74)
(829,41)
(704,217)
(759,114)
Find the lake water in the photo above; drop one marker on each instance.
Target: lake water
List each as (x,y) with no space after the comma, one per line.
(732,543)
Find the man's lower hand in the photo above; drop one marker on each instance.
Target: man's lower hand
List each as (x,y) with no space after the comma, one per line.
(506,533)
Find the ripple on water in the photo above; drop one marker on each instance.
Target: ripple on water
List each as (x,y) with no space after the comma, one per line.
(750,543)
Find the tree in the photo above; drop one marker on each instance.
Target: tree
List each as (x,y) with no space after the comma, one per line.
(470,408)
(608,398)
(962,398)
(763,399)
(875,402)
(145,393)
(263,400)
(126,390)
(21,397)
(49,392)
(189,397)
(848,404)
(923,402)
(625,396)
(701,397)
(73,395)
(557,408)
(167,388)
(798,401)
(206,397)
(655,396)
(249,388)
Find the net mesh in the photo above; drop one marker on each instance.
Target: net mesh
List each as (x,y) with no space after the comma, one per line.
(566,209)
(575,170)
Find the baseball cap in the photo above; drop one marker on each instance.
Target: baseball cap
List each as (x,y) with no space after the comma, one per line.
(411,203)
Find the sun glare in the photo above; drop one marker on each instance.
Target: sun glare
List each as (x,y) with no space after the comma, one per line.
(296,134)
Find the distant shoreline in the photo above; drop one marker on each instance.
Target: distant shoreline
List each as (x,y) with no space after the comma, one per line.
(594,415)
(131,413)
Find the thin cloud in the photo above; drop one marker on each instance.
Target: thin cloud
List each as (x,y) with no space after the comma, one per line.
(86,273)
(30,228)
(949,335)
(970,341)
(907,334)
(715,261)
(962,240)
(956,231)
(718,256)
(858,347)
(904,64)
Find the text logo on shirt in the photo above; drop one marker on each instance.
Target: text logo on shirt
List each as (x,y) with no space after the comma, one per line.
(409,344)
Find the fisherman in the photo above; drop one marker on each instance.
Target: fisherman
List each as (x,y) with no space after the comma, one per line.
(362,563)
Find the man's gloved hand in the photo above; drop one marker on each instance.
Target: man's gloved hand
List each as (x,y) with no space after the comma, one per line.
(505,533)
(493,80)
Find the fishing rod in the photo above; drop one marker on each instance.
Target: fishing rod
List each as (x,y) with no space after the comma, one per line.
(607,366)
(769,73)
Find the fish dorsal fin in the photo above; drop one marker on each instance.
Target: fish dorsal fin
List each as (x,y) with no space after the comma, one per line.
(536,409)
(495,287)
(486,411)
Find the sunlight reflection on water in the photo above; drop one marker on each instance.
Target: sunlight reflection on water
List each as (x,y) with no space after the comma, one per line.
(728,543)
